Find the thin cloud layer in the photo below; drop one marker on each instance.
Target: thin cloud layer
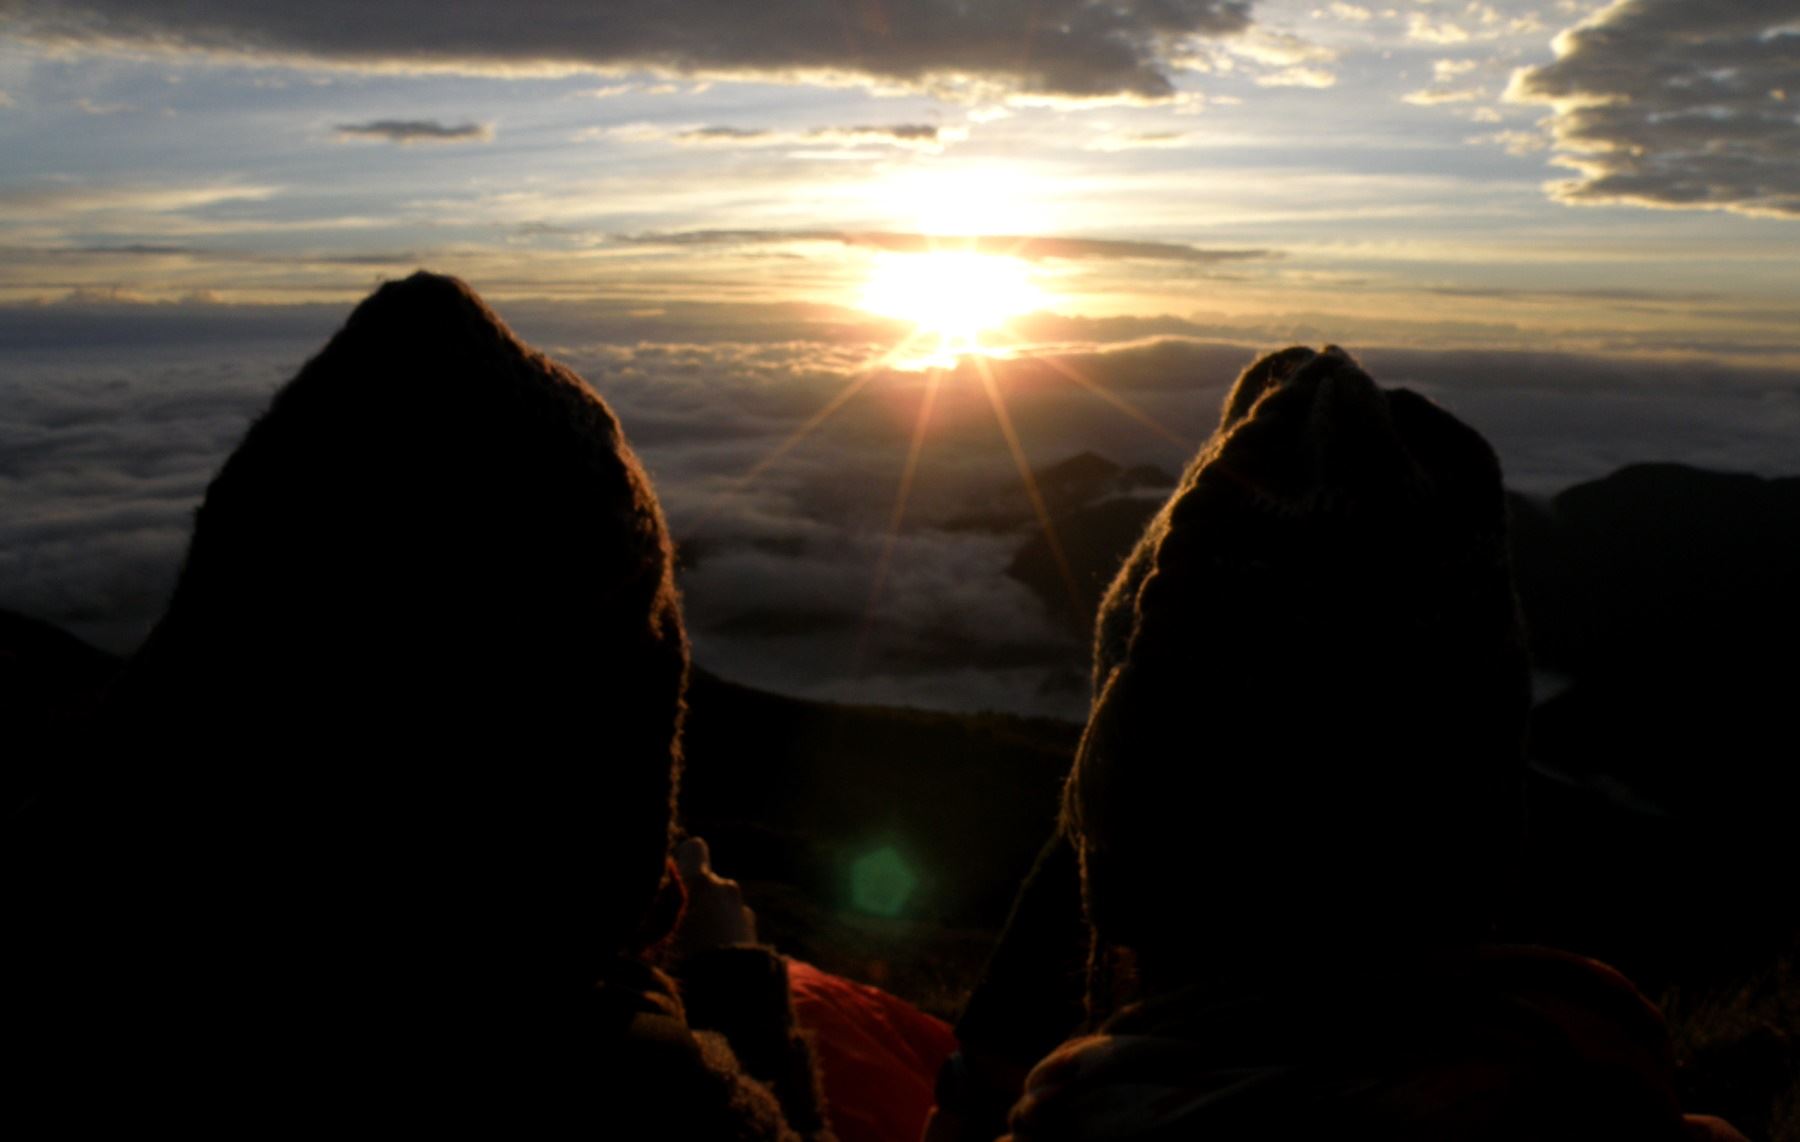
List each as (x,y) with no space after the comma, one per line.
(61,199)
(1079,49)
(1026,247)
(408,131)
(923,137)
(902,132)
(1667,103)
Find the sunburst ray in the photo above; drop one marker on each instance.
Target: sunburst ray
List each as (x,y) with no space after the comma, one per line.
(857,382)
(902,496)
(1032,491)
(1114,399)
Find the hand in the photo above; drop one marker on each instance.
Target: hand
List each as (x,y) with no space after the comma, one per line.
(715,915)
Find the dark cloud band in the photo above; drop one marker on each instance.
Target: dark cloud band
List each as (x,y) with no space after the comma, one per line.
(1067,48)
(406,131)
(1673,104)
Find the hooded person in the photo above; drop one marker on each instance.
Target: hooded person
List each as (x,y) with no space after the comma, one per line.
(1294,810)
(382,823)
(1032,993)
(1321,703)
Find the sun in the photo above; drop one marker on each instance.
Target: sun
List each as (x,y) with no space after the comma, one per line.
(955,295)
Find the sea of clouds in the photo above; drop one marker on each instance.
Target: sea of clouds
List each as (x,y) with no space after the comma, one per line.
(113,418)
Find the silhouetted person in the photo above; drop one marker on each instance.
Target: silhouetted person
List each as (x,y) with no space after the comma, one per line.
(389,790)
(1295,808)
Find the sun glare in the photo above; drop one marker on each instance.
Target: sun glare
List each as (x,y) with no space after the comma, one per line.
(953,295)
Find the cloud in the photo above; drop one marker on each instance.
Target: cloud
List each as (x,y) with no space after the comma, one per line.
(1669,104)
(65,198)
(125,249)
(900,132)
(1520,143)
(1458,83)
(1437,96)
(105,458)
(1284,59)
(5,100)
(90,107)
(115,415)
(1142,140)
(1297,77)
(727,134)
(102,259)
(1279,49)
(1664,297)
(1027,247)
(925,137)
(1422,29)
(1074,49)
(1557,419)
(406,132)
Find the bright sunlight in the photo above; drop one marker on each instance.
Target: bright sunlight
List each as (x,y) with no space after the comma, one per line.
(954,295)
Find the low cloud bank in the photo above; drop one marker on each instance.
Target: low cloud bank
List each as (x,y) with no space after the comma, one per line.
(105,451)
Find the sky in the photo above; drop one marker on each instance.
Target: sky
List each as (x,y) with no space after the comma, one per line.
(1575,224)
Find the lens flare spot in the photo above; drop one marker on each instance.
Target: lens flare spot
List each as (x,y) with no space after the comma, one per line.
(882,882)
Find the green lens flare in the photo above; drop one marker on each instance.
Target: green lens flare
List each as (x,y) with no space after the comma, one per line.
(881,882)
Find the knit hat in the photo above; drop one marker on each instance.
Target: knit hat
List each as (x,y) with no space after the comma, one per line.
(1310,680)
(1112,628)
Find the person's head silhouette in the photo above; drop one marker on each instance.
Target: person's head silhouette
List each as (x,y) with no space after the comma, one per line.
(423,671)
(1311,687)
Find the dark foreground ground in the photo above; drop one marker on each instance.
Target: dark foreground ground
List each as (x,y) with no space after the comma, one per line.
(793,794)
(885,844)
(1662,796)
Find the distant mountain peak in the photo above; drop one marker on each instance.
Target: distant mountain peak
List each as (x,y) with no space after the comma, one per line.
(1085,465)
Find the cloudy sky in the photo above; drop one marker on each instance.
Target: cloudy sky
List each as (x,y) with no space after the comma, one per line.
(1576,224)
